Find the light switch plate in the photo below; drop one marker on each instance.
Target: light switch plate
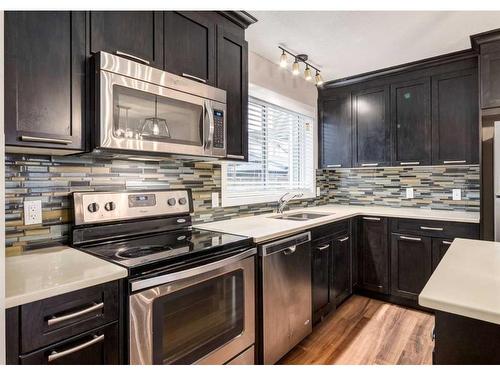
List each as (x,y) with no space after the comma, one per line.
(32,212)
(215,200)
(457,194)
(409,193)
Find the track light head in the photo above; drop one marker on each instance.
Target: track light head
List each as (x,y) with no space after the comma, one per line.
(283,60)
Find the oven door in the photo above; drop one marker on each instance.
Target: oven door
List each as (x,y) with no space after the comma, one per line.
(203,315)
(140,116)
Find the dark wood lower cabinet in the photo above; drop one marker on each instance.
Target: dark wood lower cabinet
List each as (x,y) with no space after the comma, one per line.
(321,275)
(411,265)
(341,281)
(439,248)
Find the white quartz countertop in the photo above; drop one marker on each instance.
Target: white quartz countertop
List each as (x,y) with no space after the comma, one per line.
(263,227)
(40,274)
(466,281)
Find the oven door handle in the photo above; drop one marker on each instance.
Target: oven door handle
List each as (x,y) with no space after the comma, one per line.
(176,276)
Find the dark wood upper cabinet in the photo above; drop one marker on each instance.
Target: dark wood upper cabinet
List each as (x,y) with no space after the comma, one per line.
(490,75)
(232,76)
(411,122)
(455,118)
(411,265)
(190,41)
(138,34)
(45,79)
(341,280)
(373,254)
(335,132)
(371,126)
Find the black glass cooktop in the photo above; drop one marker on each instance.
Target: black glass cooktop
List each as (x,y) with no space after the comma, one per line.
(165,247)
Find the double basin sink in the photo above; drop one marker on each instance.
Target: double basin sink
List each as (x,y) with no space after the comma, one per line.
(300,216)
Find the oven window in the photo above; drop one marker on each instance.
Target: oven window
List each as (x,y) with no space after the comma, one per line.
(192,322)
(139,115)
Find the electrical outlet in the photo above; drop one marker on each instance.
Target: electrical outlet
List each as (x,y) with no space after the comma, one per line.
(409,193)
(318,191)
(32,212)
(215,200)
(457,194)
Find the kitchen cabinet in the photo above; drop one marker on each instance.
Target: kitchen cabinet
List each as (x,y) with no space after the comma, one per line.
(45,81)
(455,118)
(335,132)
(132,34)
(490,74)
(439,248)
(341,280)
(371,126)
(190,42)
(232,76)
(411,265)
(373,254)
(411,122)
(321,275)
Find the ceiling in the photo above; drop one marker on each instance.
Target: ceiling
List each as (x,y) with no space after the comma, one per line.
(346,43)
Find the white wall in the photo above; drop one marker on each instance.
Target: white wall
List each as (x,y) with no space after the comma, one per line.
(2,204)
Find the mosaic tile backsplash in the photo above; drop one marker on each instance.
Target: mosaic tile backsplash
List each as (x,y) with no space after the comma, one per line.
(52,178)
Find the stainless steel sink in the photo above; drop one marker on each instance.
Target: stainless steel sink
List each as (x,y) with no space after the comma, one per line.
(300,216)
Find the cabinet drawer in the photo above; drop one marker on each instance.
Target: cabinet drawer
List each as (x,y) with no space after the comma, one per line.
(329,229)
(96,347)
(54,319)
(435,228)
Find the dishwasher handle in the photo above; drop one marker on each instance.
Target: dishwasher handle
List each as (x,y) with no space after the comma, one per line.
(287,245)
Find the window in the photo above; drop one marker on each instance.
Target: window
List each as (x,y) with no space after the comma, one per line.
(280,157)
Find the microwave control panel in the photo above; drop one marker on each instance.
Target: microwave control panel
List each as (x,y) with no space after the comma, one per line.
(218,129)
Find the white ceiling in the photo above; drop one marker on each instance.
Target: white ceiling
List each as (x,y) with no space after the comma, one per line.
(346,43)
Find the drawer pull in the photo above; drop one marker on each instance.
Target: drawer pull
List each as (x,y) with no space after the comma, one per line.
(241,157)
(324,247)
(63,318)
(454,161)
(369,164)
(124,54)
(334,165)
(446,242)
(410,238)
(194,77)
(409,163)
(28,138)
(56,355)
(371,218)
(344,239)
(432,228)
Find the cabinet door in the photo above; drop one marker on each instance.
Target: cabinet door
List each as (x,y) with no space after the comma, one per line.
(411,265)
(411,122)
(138,34)
(190,45)
(335,132)
(321,269)
(371,127)
(455,118)
(490,75)
(373,254)
(341,280)
(45,79)
(439,248)
(232,76)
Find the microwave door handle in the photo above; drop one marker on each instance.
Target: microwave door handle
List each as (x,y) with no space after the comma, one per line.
(211,124)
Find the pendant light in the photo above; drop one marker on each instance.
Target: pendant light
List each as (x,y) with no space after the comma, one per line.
(307,73)
(295,67)
(283,60)
(300,58)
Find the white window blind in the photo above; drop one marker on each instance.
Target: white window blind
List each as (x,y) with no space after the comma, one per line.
(280,153)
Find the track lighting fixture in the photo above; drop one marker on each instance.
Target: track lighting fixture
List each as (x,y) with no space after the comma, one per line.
(300,58)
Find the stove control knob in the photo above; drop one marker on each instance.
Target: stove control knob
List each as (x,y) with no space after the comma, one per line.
(171,202)
(93,207)
(110,206)
(182,201)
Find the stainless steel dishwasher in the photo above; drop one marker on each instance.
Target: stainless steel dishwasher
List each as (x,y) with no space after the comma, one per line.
(286,295)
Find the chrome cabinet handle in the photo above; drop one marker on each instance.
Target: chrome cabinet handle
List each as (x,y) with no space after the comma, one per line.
(63,318)
(334,165)
(432,228)
(56,355)
(290,250)
(370,218)
(28,138)
(324,247)
(454,161)
(241,157)
(446,243)
(410,238)
(194,77)
(409,163)
(124,54)
(369,164)
(344,239)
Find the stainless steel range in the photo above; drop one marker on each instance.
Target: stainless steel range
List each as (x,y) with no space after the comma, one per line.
(191,293)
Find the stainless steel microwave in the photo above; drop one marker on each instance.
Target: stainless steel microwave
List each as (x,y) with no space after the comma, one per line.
(142,110)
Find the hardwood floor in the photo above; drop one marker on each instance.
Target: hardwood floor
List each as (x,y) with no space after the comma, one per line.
(366,331)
